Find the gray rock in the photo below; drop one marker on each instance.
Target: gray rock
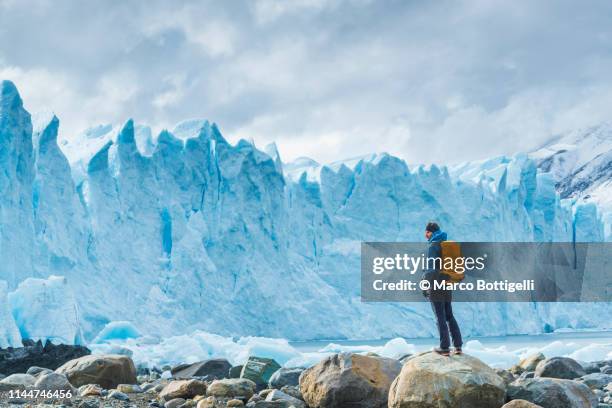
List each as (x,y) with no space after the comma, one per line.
(231,388)
(35,371)
(526,374)
(596,380)
(213,369)
(174,403)
(54,381)
(559,367)
(285,376)
(590,368)
(267,404)
(20,359)
(277,395)
(235,371)
(14,381)
(506,375)
(88,404)
(114,394)
(293,391)
(90,390)
(183,389)
(255,398)
(147,386)
(553,393)
(606,369)
(519,403)
(129,388)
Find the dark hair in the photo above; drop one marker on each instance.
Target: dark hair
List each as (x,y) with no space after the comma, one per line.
(432,227)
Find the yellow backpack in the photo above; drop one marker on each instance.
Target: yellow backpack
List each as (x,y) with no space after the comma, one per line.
(452,250)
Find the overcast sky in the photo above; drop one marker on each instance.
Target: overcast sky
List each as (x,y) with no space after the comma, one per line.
(330,79)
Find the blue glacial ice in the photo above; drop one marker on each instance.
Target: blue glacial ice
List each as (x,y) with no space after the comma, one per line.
(188,232)
(9,332)
(46,310)
(121,330)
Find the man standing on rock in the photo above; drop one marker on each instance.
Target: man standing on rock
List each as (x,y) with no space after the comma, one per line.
(440,299)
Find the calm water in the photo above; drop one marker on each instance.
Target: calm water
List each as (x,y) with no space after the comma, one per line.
(581,338)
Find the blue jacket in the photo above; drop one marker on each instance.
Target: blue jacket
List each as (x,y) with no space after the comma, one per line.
(432,274)
(435,250)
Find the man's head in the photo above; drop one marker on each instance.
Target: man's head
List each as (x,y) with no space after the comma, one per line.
(430,229)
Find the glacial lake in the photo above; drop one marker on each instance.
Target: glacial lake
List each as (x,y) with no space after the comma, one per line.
(514,342)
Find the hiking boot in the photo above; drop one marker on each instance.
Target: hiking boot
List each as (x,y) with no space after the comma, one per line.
(457,351)
(441,352)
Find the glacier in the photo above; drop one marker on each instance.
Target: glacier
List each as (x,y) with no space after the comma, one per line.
(9,332)
(46,310)
(187,231)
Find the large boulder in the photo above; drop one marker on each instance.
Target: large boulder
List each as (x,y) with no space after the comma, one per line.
(559,367)
(17,381)
(349,380)
(596,380)
(259,370)
(519,403)
(107,370)
(553,393)
(213,369)
(235,371)
(285,376)
(186,389)
(231,388)
(51,356)
(590,367)
(432,380)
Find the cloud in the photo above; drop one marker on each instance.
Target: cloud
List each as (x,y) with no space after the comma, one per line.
(430,82)
(173,95)
(215,36)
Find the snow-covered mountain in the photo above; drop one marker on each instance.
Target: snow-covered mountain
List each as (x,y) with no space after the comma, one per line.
(581,164)
(188,231)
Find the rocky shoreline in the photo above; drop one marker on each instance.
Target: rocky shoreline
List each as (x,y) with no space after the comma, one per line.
(343,380)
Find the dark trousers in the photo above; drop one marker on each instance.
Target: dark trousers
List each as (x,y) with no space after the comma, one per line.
(445,319)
